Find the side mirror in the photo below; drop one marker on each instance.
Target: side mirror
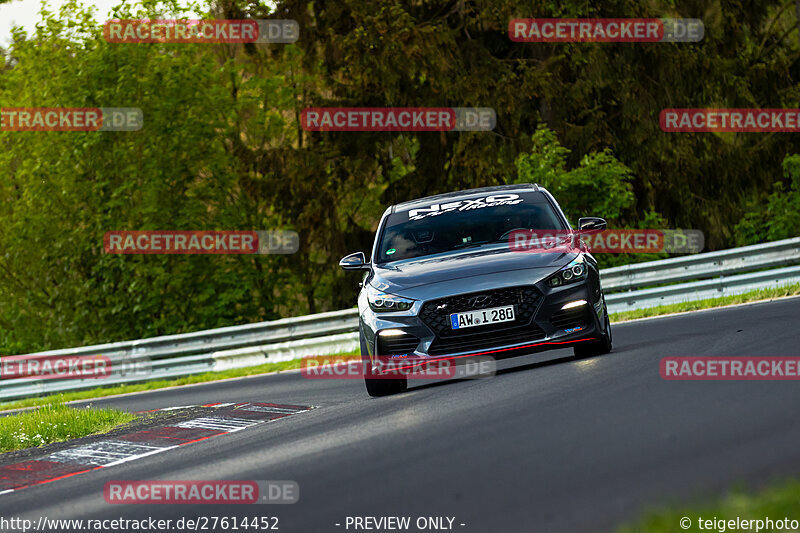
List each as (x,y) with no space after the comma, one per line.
(592,223)
(355,261)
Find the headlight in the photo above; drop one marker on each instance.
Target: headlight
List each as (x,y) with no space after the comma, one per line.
(574,271)
(382,301)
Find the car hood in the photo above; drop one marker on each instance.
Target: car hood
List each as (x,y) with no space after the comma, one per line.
(402,277)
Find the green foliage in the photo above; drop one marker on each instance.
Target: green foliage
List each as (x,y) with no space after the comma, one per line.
(777,500)
(222,147)
(780,218)
(598,186)
(62,191)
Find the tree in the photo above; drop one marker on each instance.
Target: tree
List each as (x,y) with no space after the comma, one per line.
(780,217)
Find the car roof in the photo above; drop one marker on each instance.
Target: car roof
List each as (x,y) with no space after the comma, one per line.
(455,195)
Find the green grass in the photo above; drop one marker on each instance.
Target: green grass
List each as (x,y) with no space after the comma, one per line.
(753,296)
(159,384)
(776,502)
(55,422)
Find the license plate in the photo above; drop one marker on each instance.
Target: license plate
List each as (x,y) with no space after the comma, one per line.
(482,317)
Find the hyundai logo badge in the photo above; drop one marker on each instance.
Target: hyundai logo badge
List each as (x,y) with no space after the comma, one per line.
(482,300)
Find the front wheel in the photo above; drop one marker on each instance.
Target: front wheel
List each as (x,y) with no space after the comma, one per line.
(379,386)
(601,346)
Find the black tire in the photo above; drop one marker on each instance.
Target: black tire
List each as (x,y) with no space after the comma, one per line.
(598,347)
(385,387)
(380,386)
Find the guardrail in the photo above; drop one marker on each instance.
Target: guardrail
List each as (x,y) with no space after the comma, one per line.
(722,273)
(627,287)
(185,354)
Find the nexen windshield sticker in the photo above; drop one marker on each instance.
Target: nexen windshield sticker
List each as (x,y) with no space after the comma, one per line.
(464,205)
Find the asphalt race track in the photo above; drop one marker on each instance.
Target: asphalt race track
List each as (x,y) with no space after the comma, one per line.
(549,444)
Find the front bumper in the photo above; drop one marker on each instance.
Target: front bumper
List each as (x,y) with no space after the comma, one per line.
(541,323)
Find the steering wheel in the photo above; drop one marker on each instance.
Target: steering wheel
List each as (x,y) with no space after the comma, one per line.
(506,234)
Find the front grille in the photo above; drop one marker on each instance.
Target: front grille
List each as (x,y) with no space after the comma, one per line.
(486,339)
(571,318)
(399,345)
(525,300)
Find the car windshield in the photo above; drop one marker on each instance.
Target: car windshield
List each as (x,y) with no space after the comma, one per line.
(453,225)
